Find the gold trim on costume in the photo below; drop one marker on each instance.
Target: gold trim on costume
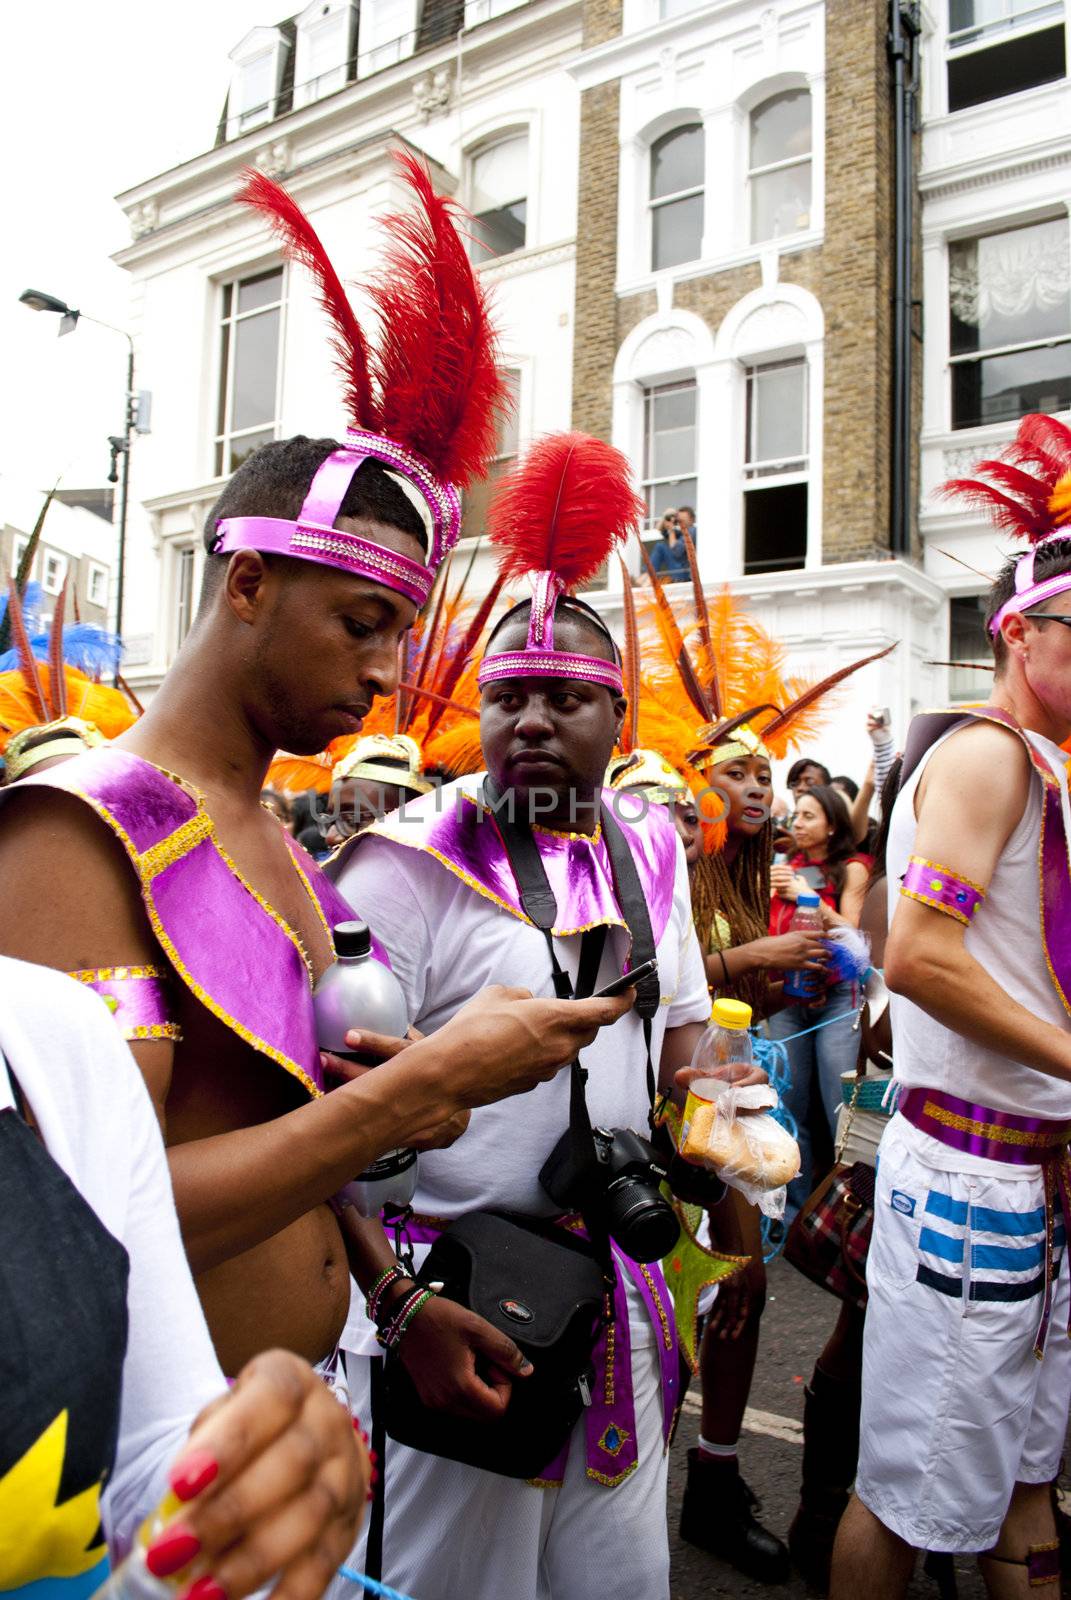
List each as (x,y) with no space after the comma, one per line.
(949,872)
(116,974)
(995,1130)
(164,940)
(935,905)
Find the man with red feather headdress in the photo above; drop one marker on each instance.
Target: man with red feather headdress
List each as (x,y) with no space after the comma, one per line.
(452,885)
(967,1354)
(149,870)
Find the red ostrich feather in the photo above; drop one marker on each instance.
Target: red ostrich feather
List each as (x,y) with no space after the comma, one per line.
(301,243)
(433,383)
(1019,502)
(442,392)
(563,509)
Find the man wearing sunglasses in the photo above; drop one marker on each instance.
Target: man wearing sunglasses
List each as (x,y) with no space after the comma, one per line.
(967,1355)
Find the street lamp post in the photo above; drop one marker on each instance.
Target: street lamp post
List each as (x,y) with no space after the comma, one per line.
(37,300)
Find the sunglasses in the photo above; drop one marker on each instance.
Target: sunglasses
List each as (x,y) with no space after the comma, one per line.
(1047,616)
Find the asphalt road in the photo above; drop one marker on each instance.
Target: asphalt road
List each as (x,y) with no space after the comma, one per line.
(796,1324)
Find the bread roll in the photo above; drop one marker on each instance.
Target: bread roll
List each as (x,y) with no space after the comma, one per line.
(752,1146)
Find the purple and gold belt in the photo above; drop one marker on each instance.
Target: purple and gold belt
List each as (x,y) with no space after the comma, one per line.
(1002,1136)
(610,1419)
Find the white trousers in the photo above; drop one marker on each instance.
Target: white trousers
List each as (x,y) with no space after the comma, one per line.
(956,1407)
(452,1532)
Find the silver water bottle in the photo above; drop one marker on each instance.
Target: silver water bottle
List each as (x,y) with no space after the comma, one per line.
(360,992)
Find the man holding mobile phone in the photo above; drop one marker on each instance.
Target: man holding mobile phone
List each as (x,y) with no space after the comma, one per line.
(451,909)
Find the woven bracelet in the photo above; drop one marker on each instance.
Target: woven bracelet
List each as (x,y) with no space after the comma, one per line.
(385,1281)
(392,1336)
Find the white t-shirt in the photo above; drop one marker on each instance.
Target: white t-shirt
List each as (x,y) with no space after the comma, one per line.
(98,1124)
(446,943)
(1004,937)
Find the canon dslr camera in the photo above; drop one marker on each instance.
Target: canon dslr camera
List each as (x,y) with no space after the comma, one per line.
(616,1183)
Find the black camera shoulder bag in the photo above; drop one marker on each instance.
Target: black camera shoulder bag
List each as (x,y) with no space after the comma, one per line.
(545,1288)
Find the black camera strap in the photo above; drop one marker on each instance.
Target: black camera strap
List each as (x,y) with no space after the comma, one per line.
(538,903)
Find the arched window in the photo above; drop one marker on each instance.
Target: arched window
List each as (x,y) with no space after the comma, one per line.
(498,197)
(779,166)
(677,196)
(776,465)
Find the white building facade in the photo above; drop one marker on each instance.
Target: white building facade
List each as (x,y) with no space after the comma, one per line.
(721,145)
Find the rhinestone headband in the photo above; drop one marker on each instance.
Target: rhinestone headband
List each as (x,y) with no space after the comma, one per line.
(539,659)
(313,536)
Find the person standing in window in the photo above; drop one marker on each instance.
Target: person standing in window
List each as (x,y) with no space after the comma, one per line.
(669,558)
(686,519)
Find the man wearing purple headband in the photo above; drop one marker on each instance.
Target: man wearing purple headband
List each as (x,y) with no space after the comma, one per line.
(967,1353)
(453,910)
(149,870)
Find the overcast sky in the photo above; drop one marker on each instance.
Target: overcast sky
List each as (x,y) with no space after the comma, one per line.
(95,96)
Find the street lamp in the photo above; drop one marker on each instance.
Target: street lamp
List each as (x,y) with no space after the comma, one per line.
(38,300)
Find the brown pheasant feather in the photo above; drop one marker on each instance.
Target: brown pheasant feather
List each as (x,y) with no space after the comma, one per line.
(57,682)
(678,651)
(27,663)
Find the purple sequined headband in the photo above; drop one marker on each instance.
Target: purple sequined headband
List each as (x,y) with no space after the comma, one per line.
(1027,592)
(312,536)
(539,659)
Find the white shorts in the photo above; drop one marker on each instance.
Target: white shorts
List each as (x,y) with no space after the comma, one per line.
(956,1407)
(455,1533)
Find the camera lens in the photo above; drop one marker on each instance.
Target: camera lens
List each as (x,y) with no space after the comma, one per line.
(640,1220)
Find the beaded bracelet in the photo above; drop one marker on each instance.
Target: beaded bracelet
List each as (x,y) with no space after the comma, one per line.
(386,1280)
(393,1334)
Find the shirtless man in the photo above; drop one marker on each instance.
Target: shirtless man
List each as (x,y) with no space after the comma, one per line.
(284,653)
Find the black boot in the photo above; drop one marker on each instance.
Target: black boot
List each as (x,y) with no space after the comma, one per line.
(718,1514)
(830,1458)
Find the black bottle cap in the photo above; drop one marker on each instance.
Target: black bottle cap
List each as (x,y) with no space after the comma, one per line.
(352,939)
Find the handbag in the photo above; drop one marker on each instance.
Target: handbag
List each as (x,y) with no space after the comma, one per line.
(541,1285)
(544,1289)
(829,1238)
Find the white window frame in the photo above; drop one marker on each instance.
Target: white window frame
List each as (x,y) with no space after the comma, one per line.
(1046,14)
(258,44)
(755,474)
(654,205)
(477,11)
(650,482)
(53,584)
(317,21)
(487,142)
(784,165)
(224,435)
(184,590)
(987,231)
(97,578)
(386,49)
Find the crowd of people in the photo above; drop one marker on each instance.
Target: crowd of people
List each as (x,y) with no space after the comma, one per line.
(229,1371)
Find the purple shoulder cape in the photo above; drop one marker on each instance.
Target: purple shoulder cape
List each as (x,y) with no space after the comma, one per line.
(235,953)
(1054,855)
(452,828)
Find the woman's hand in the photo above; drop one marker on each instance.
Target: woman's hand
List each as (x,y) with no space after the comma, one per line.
(459,1362)
(275,1480)
(794,952)
(786,883)
(738,1073)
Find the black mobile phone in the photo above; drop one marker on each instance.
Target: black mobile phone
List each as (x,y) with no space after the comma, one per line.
(627,980)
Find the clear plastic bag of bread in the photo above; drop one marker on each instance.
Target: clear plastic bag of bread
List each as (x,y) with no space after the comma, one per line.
(730,1130)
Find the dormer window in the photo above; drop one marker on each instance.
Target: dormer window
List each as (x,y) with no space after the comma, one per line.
(324,49)
(258,69)
(388,34)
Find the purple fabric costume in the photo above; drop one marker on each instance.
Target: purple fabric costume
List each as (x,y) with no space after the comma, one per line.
(235,954)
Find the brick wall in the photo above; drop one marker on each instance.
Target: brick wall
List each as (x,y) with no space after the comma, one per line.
(856,273)
(850,274)
(595,334)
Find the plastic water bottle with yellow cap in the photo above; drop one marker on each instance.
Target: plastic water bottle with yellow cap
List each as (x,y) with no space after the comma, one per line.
(726,1042)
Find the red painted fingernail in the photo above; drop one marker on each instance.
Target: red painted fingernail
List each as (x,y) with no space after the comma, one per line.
(171,1550)
(205,1589)
(194,1472)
